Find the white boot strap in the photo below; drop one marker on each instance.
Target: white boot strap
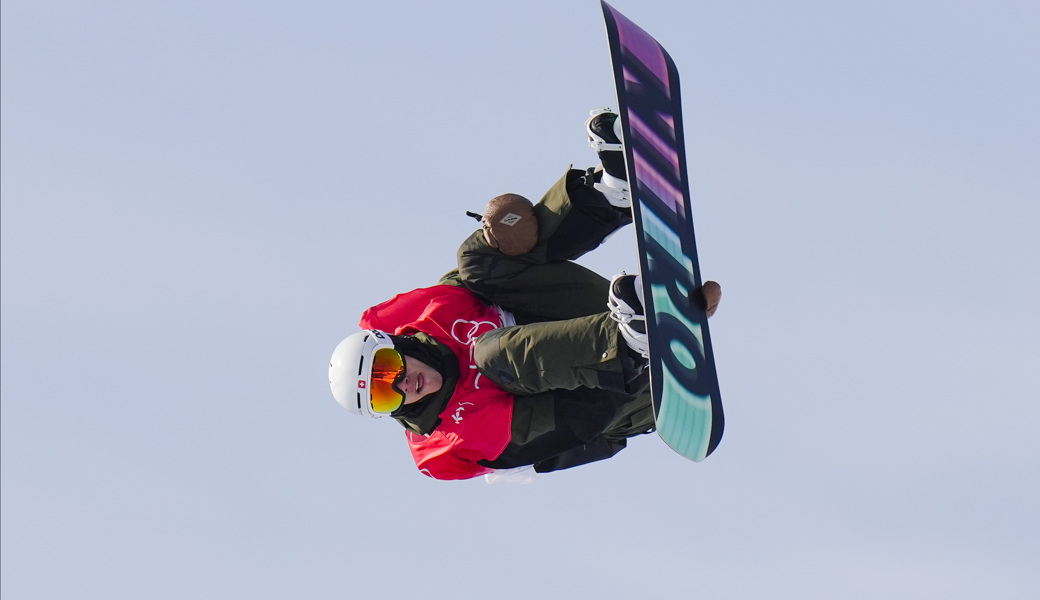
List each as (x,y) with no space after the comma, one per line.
(603,146)
(614,182)
(620,198)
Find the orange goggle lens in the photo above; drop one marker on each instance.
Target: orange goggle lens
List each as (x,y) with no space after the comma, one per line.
(387,366)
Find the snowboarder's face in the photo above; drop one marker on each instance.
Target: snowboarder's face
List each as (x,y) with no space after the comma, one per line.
(420,379)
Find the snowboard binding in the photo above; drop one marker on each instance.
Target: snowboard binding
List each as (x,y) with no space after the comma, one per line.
(605,137)
(625,302)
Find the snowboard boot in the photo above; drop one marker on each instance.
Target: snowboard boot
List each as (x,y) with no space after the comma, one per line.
(604,129)
(626,307)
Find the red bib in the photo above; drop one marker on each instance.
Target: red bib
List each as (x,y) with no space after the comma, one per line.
(476,422)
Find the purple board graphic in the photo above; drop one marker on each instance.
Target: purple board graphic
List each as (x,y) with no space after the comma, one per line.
(684,384)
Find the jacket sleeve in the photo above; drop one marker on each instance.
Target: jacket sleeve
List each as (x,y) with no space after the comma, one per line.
(419,308)
(436,456)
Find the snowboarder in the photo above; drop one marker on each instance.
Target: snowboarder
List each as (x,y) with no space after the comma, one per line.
(511,360)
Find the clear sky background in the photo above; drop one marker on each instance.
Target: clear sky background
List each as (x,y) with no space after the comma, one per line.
(199,198)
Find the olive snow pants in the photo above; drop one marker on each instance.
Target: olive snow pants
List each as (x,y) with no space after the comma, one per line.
(579,393)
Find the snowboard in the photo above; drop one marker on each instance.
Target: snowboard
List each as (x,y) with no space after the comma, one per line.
(683,380)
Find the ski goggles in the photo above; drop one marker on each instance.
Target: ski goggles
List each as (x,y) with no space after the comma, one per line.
(387,367)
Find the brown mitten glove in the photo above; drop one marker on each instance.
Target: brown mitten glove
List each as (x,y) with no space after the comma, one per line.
(711,293)
(510,225)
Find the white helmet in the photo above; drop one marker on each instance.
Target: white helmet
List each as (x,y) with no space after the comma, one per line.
(350,370)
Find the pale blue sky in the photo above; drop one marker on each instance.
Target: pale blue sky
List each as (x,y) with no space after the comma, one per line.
(200,198)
